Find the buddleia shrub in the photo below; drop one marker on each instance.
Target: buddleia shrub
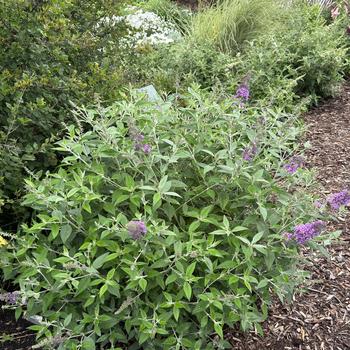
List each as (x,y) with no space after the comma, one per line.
(163,225)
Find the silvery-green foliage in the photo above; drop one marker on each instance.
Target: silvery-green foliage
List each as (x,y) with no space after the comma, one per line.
(160,249)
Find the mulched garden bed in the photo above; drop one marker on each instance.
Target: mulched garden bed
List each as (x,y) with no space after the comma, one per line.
(318,318)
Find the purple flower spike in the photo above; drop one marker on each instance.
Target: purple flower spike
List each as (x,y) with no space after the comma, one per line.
(242,92)
(147,148)
(250,152)
(339,199)
(10,298)
(136,229)
(305,232)
(294,164)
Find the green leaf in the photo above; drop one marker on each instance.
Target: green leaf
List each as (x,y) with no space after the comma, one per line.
(86,207)
(244,240)
(129,182)
(218,330)
(233,279)
(89,301)
(164,184)
(55,229)
(18,313)
(66,231)
(73,191)
(219,232)
(194,225)
(176,313)
(188,290)
(263,283)
(172,194)
(88,344)
(170,279)
(103,290)
(83,284)
(110,274)
(67,320)
(215,252)
(100,260)
(121,198)
(143,284)
(239,228)
(263,212)
(156,198)
(143,337)
(190,269)
(257,237)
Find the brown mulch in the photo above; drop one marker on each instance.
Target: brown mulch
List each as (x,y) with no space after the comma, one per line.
(14,334)
(319,317)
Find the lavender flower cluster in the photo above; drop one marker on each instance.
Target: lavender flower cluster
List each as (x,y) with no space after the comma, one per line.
(242,92)
(304,232)
(136,229)
(339,199)
(250,152)
(10,297)
(294,164)
(138,138)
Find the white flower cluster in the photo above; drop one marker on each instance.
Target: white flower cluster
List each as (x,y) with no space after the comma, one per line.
(143,28)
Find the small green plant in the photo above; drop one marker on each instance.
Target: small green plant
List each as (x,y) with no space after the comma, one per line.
(163,225)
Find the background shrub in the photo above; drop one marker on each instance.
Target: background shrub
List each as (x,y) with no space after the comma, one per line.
(176,67)
(306,58)
(51,56)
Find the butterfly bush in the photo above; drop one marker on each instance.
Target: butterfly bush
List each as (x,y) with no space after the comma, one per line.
(137,137)
(161,250)
(10,297)
(143,28)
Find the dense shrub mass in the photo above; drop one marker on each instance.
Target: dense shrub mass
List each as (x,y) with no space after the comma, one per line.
(307,59)
(162,222)
(50,56)
(156,225)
